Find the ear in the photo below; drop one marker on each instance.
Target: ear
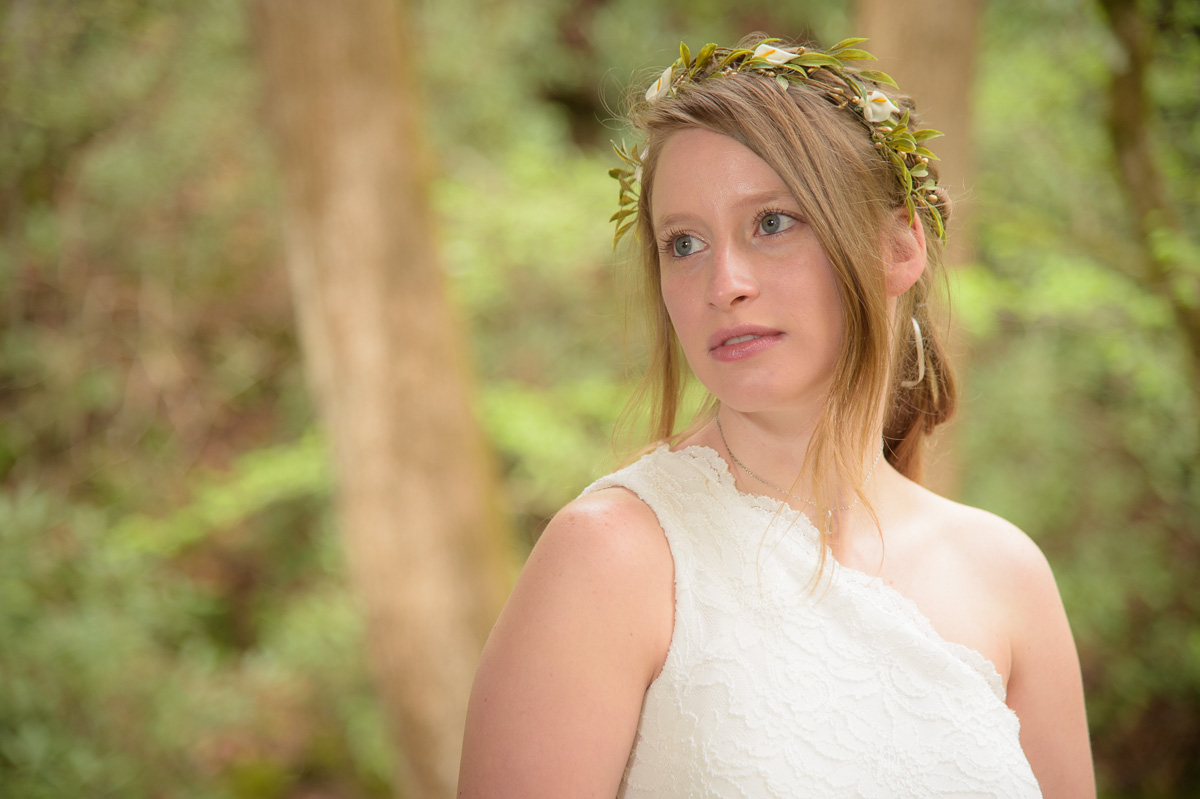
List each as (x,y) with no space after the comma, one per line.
(904,251)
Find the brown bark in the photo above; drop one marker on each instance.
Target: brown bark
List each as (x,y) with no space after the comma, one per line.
(385,362)
(929,47)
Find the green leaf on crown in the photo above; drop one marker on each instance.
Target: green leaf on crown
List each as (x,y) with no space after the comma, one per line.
(854,55)
(877,76)
(704,56)
(734,55)
(621,232)
(816,60)
(844,43)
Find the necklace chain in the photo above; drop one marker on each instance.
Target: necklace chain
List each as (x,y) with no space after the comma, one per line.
(785,492)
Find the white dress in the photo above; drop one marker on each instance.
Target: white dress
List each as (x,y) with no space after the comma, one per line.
(772,689)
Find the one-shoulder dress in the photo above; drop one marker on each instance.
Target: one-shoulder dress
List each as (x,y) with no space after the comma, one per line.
(773,687)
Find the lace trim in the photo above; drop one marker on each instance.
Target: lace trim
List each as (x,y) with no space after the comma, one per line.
(709,460)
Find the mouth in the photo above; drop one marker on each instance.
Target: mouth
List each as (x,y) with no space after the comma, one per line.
(744,341)
(742,334)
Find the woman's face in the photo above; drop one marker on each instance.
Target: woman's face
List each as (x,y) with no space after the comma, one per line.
(749,290)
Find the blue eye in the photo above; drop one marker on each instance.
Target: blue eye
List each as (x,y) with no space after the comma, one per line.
(683,246)
(774,223)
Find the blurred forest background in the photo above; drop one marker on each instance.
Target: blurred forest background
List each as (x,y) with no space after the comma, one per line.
(176,618)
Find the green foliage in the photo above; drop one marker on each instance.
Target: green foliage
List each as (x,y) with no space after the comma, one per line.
(175,615)
(118,684)
(554,441)
(259,479)
(1083,423)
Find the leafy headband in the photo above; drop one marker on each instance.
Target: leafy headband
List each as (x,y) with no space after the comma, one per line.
(826,70)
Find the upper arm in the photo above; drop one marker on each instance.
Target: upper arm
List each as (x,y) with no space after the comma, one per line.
(1045,689)
(560,685)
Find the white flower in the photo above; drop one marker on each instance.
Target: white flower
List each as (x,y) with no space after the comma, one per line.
(878,107)
(774,55)
(660,87)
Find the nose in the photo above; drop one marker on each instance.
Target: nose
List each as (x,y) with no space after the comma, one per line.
(731,278)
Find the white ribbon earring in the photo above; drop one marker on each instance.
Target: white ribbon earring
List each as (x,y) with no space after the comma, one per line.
(920,358)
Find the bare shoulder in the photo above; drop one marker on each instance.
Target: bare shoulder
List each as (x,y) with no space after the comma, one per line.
(995,550)
(966,567)
(612,547)
(1002,581)
(559,688)
(611,524)
(990,575)
(604,558)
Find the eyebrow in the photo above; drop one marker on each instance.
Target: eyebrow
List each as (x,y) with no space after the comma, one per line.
(771,197)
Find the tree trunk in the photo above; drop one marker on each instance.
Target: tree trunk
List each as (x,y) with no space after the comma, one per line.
(384,356)
(929,47)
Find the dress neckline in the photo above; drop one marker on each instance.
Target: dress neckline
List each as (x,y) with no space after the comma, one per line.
(708,459)
(720,467)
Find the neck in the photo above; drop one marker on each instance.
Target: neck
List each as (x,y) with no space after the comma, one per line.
(767,458)
(772,447)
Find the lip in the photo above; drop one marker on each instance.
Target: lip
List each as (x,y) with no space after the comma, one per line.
(766,337)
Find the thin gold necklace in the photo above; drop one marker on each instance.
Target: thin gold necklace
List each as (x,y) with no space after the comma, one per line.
(785,492)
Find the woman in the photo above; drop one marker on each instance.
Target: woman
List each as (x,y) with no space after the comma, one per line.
(767,604)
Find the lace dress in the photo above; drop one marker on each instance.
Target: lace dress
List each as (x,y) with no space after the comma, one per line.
(770,689)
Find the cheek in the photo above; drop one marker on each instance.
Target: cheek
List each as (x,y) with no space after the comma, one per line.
(832,318)
(816,303)
(676,302)
(830,299)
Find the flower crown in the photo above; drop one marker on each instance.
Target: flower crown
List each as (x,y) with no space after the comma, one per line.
(827,71)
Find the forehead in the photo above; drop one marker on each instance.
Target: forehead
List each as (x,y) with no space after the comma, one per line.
(703,173)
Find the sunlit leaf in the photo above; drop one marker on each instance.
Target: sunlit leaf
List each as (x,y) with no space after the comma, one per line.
(844,43)
(816,60)
(621,231)
(855,55)
(704,56)
(877,76)
(733,55)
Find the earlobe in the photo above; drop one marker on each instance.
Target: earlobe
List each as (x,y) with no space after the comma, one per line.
(905,252)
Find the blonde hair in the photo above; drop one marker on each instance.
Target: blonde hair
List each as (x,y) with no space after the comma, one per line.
(848,194)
